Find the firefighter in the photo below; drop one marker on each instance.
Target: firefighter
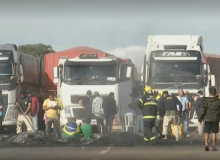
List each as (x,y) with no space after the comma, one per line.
(156,94)
(148,105)
(168,111)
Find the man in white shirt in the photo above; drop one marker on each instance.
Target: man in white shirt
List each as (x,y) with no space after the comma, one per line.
(185,103)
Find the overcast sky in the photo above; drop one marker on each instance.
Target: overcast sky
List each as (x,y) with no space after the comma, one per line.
(117,26)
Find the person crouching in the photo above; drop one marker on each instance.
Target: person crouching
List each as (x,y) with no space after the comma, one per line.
(71,129)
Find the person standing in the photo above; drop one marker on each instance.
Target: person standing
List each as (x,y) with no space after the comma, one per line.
(190,100)
(210,115)
(140,122)
(168,111)
(185,108)
(110,110)
(148,105)
(86,103)
(98,111)
(51,107)
(34,109)
(198,104)
(23,107)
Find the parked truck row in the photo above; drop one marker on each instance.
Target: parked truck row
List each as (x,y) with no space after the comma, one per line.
(170,62)
(70,73)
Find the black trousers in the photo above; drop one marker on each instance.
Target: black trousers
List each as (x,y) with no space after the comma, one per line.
(148,130)
(109,122)
(100,125)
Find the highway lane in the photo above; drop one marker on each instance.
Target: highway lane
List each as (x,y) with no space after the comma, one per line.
(114,153)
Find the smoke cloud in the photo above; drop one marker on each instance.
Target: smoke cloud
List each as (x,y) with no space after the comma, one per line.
(135,53)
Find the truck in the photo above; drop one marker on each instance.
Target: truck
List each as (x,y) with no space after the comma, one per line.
(175,62)
(72,72)
(18,72)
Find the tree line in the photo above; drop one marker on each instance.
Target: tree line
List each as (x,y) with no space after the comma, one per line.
(37,50)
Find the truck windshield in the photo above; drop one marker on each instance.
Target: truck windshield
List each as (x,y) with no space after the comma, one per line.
(174,69)
(6,68)
(90,74)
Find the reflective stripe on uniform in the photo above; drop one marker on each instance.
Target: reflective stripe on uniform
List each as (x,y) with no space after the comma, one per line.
(146,117)
(152,138)
(141,100)
(150,103)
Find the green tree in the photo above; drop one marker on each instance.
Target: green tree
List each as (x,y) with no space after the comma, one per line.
(38,50)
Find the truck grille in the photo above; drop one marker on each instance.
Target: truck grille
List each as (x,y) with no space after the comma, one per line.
(75,98)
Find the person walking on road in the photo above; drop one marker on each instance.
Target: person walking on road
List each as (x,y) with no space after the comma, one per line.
(210,115)
(110,110)
(98,111)
(23,107)
(198,104)
(148,105)
(34,109)
(168,111)
(185,109)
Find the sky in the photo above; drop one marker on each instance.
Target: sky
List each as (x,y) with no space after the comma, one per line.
(120,27)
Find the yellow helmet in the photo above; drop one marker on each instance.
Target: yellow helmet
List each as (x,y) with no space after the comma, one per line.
(156,90)
(147,89)
(162,92)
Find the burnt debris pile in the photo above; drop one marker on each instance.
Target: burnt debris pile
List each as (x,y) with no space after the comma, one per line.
(119,139)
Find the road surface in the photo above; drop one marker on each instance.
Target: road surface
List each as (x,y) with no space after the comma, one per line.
(114,153)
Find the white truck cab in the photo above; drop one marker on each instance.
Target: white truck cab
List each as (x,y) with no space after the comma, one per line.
(88,72)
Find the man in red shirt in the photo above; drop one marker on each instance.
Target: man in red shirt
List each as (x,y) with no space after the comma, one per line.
(34,110)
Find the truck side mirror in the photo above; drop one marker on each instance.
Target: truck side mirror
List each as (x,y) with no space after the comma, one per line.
(55,75)
(128,73)
(21,73)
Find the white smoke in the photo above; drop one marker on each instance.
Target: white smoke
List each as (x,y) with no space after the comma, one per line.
(135,53)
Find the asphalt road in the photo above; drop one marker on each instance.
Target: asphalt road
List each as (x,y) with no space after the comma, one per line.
(114,153)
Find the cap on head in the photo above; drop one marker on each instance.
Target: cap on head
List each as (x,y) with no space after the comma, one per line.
(89,92)
(96,93)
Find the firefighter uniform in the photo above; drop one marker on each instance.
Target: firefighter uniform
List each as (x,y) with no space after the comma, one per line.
(168,110)
(148,105)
